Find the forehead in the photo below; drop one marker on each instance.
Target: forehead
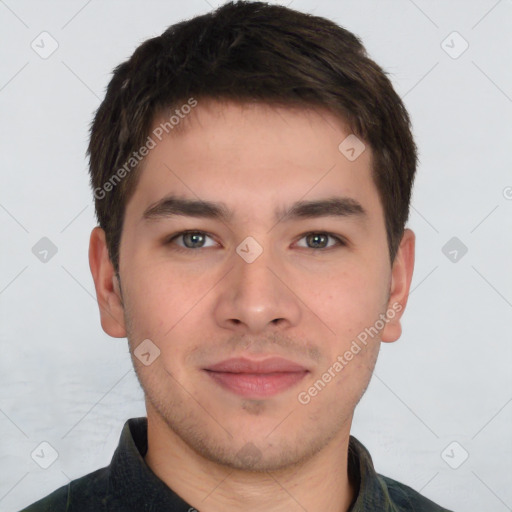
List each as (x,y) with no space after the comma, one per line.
(251,156)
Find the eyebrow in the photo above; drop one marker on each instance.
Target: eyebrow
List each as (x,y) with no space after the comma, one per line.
(337,206)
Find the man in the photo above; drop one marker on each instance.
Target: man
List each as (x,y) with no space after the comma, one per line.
(252,170)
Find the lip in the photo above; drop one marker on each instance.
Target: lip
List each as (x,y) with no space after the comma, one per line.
(244,365)
(256,378)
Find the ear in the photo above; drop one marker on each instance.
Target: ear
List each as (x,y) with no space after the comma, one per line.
(108,293)
(401,277)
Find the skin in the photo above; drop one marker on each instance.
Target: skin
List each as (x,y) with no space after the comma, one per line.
(203,306)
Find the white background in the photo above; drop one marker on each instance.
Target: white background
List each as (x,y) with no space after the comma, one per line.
(448,379)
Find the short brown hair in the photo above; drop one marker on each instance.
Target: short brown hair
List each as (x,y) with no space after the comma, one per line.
(250,51)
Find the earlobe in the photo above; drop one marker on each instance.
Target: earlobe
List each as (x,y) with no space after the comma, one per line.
(401,277)
(108,293)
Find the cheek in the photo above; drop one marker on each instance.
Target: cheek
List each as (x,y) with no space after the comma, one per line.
(157,301)
(348,302)
(166,307)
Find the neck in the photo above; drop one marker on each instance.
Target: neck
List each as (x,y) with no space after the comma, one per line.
(319,484)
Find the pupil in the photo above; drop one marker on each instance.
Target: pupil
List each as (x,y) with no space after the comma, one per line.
(194,237)
(316,239)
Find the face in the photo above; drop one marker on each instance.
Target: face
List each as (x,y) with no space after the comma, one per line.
(257,315)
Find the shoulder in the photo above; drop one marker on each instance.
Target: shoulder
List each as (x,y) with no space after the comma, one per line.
(405,498)
(85,494)
(56,501)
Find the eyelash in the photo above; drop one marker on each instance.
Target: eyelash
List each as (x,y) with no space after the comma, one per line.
(339,241)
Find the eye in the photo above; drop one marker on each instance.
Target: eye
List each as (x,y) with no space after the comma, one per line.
(191,240)
(195,240)
(319,240)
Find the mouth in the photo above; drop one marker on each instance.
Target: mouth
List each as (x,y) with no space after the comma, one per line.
(256,379)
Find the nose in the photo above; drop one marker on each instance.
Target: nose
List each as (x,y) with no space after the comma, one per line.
(256,296)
